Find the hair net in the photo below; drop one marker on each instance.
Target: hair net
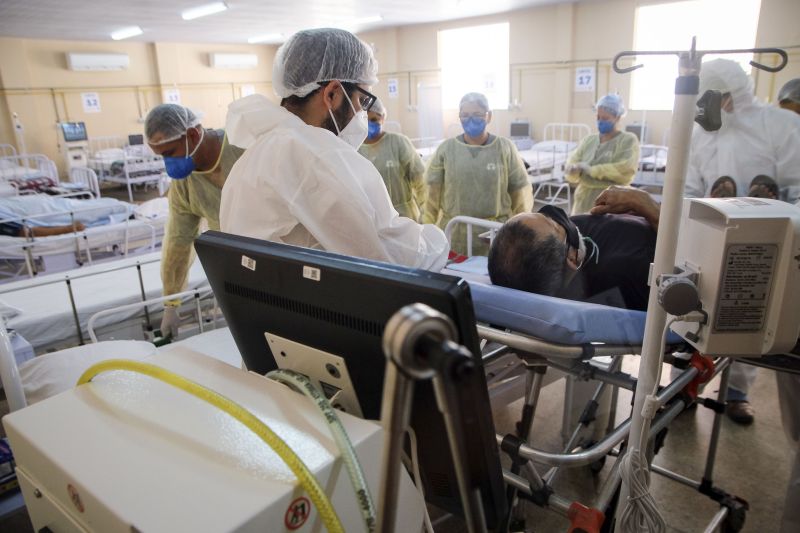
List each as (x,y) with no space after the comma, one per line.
(727,76)
(475,98)
(313,56)
(377,107)
(170,120)
(611,103)
(790,91)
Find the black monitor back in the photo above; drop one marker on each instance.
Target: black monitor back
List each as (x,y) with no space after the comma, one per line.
(340,305)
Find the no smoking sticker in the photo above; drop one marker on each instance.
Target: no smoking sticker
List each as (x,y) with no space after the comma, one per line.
(297,513)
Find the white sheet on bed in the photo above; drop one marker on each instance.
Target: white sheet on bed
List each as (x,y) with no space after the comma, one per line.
(546,155)
(46,210)
(46,316)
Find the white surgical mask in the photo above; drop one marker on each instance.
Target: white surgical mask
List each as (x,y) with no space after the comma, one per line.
(356,130)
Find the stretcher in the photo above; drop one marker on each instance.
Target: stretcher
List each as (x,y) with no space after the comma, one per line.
(586,342)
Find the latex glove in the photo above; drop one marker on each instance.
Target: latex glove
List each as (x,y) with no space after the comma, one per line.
(170,322)
(583,168)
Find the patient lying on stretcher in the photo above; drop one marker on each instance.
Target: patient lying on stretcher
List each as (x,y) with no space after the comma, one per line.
(603,257)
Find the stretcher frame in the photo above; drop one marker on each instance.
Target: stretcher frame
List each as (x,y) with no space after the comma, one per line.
(525,481)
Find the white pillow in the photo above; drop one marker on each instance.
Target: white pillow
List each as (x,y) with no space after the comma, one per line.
(56,372)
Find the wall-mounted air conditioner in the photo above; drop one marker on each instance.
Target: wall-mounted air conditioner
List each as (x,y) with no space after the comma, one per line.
(219,60)
(97,61)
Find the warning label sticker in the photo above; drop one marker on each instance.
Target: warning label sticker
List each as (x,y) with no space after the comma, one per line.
(297,513)
(745,287)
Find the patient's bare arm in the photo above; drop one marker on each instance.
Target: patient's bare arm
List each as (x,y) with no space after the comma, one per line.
(628,200)
(47,231)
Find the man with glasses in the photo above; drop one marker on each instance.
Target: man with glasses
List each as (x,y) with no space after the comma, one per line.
(301,180)
(475,174)
(603,257)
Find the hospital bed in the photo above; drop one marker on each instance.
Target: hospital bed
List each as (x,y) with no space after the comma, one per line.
(116,162)
(652,165)
(28,173)
(33,255)
(586,342)
(546,161)
(53,311)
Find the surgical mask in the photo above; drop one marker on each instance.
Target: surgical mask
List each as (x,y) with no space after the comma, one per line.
(604,126)
(374,130)
(356,130)
(179,168)
(557,215)
(474,126)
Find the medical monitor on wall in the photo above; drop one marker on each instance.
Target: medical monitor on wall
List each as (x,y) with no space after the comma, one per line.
(281,296)
(74,131)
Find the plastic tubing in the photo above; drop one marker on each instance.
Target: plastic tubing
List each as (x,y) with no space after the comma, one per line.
(307,388)
(278,445)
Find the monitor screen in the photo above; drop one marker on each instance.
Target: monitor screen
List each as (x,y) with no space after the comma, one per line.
(521,129)
(74,131)
(135,139)
(340,305)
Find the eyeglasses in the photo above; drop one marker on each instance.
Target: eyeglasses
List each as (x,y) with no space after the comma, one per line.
(467,116)
(366,99)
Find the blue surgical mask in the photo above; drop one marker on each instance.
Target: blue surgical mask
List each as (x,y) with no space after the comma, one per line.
(373,129)
(474,126)
(179,168)
(605,126)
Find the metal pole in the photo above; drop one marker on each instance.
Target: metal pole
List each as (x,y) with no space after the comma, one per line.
(715,431)
(686,87)
(398,391)
(75,312)
(144,297)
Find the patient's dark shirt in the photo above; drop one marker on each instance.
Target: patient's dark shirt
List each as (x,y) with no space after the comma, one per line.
(627,246)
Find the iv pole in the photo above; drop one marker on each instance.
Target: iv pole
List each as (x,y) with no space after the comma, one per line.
(686,90)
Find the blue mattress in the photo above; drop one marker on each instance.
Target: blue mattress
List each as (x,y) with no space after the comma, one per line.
(551,319)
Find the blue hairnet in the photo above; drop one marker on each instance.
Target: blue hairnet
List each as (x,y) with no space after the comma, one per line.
(475,98)
(790,91)
(611,103)
(313,56)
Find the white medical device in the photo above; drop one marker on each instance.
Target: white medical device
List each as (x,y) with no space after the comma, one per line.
(745,253)
(74,144)
(126,452)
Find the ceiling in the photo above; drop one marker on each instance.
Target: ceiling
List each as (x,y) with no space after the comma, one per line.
(94,20)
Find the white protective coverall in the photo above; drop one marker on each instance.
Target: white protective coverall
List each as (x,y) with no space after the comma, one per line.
(302,185)
(754,139)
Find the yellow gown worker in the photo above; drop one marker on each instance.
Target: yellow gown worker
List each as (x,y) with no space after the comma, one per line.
(605,159)
(398,163)
(198,160)
(476,174)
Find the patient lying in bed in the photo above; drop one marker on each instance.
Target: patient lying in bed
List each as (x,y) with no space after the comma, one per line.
(41,215)
(603,257)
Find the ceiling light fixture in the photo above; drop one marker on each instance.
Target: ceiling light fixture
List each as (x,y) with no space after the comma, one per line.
(204,10)
(124,33)
(266,38)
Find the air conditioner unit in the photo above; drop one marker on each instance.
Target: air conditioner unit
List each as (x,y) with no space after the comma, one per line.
(238,61)
(97,61)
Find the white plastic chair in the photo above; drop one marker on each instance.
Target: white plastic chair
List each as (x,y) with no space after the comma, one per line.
(86,177)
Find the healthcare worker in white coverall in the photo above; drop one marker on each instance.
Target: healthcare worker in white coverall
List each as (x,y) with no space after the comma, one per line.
(755,139)
(301,180)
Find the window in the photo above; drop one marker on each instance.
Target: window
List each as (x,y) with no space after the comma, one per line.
(718,24)
(475,59)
